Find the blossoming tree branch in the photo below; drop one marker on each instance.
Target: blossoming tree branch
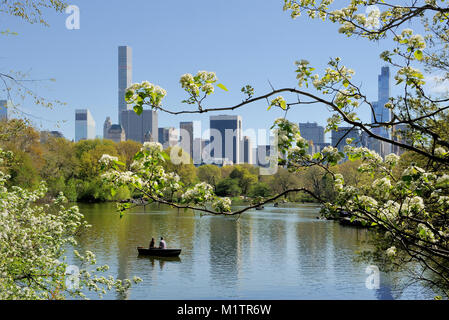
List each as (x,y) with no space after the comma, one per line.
(409,208)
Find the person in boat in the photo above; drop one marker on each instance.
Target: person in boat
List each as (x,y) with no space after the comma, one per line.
(152,243)
(162,244)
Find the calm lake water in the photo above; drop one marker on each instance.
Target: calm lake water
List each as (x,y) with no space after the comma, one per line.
(277,253)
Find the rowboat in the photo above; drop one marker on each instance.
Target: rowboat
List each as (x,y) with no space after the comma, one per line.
(159,252)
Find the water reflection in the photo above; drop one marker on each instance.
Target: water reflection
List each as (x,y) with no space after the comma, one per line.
(277,253)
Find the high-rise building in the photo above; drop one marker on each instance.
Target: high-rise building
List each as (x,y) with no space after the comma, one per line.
(226,137)
(107,125)
(186,137)
(137,127)
(116,133)
(382,114)
(5,109)
(168,137)
(263,155)
(339,137)
(125,69)
(199,146)
(312,132)
(84,125)
(247,150)
(45,135)
(400,134)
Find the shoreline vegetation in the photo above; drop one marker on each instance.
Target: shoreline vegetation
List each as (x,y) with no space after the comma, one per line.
(73,168)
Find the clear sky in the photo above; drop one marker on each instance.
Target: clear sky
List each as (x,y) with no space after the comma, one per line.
(244,42)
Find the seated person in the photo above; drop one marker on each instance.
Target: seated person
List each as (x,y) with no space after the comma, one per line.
(152,243)
(162,244)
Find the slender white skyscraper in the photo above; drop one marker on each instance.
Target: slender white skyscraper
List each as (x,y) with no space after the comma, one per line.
(125,76)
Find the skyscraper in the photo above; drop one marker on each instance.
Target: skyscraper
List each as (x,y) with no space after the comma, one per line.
(263,154)
(226,137)
(168,137)
(106,126)
(84,125)
(312,132)
(381,113)
(186,137)
(247,150)
(339,137)
(198,146)
(138,126)
(125,69)
(116,133)
(5,108)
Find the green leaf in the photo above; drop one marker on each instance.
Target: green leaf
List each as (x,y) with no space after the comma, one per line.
(283,105)
(166,156)
(221,86)
(418,54)
(138,109)
(346,83)
(113,192)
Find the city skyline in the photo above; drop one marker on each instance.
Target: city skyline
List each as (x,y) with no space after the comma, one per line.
(84,66)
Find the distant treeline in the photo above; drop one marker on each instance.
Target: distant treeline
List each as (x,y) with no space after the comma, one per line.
(73,169)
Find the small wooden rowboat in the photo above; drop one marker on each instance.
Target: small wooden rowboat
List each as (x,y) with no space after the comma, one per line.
(159,252)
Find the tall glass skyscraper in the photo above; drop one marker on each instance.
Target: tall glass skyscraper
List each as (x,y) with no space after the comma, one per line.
(125,76)
(226,139)
(84,125)
(382,114)
(186,136)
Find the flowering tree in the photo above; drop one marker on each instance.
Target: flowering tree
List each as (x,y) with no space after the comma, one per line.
(33,241)
(409,207)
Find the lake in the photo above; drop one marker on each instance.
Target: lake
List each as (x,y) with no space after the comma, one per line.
(275,253)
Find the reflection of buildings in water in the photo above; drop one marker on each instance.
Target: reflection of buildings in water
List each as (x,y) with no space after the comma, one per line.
(122,254)
(384,292)
(223,250)
(313,247)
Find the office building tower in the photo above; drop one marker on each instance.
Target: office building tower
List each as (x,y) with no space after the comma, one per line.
(116,133)
(45,135)
(84,125)
(125,68)
(247,150)
(107,125)
(312,132)
(339,137)
(140,128)
(226,138)
(167,137)
(263,155)
(254,156)
(400,134)
(382,114)
(5,109)
(186,137)
(199,146)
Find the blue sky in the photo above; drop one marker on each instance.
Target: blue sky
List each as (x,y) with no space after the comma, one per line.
(244,42)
